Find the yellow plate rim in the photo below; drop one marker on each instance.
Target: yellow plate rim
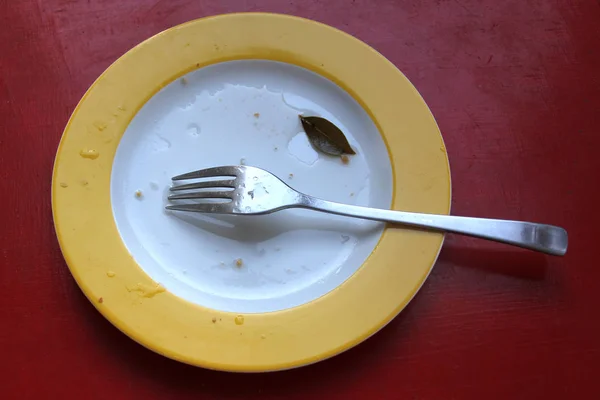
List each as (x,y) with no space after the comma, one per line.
(168,325)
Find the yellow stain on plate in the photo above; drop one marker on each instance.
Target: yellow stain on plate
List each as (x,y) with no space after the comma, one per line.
(100,125)
(89,154)
(146,290)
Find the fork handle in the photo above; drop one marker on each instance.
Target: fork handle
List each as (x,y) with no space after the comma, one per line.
(547,239)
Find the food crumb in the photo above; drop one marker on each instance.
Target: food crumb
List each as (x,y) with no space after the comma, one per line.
(100,300)
(291,176)
(263,336)
(183,81)
(138,194)
(345,159)
(352,194)
(110,274)
(63,184)
(239,262)
(214,320)
(84,183)
(256,115)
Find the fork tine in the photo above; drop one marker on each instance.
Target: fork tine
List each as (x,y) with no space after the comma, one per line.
(207,173)
(202,195)
(201,208)
(202,185)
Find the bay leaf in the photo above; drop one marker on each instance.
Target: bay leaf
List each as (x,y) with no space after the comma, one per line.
(325,136)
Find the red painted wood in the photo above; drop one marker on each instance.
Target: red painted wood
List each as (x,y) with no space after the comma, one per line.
(515,87)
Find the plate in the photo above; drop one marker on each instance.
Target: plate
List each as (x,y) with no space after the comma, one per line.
(247,293)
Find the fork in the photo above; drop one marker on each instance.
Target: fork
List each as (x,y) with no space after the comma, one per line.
(253,191)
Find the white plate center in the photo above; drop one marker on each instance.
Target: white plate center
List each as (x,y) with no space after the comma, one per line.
(246,112)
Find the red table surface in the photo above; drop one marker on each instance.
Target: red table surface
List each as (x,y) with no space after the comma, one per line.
(515,88)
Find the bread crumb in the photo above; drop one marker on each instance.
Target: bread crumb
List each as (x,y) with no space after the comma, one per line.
(239,262)
(100,300)
(110,274)
(214,320)
(256,115)
(138,194)
(345,159)
(63,184)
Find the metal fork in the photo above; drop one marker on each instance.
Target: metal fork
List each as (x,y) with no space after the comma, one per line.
(254,191)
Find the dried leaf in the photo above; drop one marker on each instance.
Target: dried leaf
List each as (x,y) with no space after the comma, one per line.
(325,136)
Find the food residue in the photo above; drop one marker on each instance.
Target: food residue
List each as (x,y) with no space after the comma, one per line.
(239,320)
(100,125)
(239,262)
(138,194)
(183,81)
(146,290)
(89,154)
(63,184)
(275,148)
(290,176)
(110,274)
(242,161)
(100,300)
(256,115)
(351,194)
(345,159)
(214,320)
